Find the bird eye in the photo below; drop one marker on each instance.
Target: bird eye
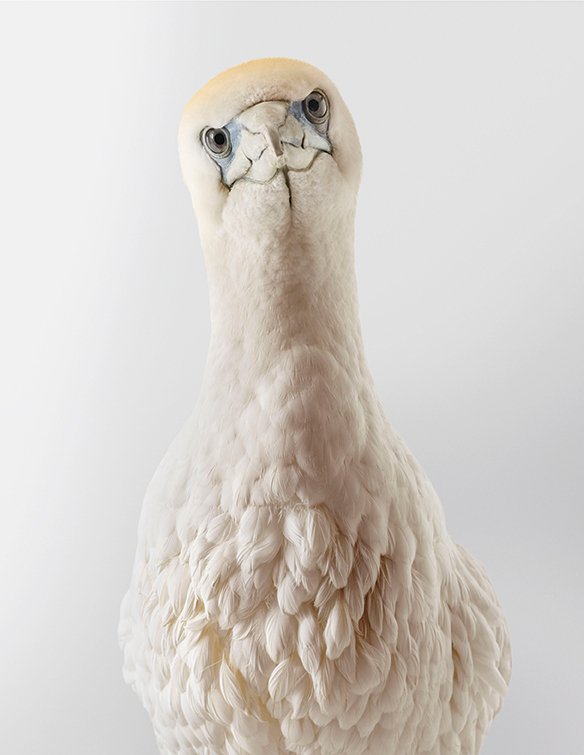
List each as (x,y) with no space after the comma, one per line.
(316,107)
(217,141)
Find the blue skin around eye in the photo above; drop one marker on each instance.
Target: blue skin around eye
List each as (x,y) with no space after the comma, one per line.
(234,129)
(298,112)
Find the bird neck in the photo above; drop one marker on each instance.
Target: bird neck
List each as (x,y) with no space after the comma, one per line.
(287,410)
(273,295)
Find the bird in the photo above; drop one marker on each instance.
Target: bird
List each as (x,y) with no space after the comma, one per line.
(295,588)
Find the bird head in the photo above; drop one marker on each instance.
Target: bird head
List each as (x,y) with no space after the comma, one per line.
(266,145)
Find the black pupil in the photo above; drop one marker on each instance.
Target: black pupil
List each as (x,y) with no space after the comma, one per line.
(219,139)
(313,105)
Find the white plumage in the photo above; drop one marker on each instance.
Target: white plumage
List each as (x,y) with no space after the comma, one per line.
(295,589)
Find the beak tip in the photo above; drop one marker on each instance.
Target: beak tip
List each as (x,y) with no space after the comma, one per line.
(274,142)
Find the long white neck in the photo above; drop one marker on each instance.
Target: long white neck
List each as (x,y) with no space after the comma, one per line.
(287,408)
(276,293)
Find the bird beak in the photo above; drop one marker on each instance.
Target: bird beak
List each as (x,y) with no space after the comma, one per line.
(273,140)
(274,145)
(268,137)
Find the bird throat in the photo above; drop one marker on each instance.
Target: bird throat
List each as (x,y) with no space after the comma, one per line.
(286,378)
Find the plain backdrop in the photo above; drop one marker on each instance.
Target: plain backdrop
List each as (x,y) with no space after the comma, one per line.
(470,249)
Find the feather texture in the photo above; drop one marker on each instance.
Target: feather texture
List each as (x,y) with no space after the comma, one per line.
(295,589)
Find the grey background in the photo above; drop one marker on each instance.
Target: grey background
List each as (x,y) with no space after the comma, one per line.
(470,250)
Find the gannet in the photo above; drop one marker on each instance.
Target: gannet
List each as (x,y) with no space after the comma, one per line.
(295,589)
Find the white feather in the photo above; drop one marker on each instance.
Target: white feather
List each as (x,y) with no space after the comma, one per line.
(339,629)
(280,633)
